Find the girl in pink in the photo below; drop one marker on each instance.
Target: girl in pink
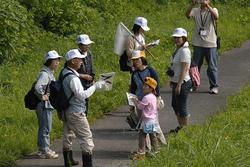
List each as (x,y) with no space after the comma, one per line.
(149,117)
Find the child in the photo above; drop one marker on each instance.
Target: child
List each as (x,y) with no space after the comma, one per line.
(149,117)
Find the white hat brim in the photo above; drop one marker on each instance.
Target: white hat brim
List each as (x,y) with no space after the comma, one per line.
(145,28)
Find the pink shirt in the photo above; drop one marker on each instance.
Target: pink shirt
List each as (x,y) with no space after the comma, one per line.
(148,105)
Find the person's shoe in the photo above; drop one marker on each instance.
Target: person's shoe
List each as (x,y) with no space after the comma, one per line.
(137,155)
(175,130)
(214,90)
(49,155)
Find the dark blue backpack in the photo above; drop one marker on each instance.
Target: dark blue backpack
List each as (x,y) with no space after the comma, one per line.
(58,98)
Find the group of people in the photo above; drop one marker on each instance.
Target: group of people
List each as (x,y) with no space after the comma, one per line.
(144,84)
(145,81)
(78,87)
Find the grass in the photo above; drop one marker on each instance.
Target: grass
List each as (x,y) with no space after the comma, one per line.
(222,141)
(18,126)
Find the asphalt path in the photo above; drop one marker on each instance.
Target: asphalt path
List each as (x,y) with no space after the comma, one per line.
(112,137)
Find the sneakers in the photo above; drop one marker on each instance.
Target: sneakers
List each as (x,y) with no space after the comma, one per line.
(175,130)
(48,155)
(214,90)
(137,155)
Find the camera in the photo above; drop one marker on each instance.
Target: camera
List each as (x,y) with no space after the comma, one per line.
(170,72)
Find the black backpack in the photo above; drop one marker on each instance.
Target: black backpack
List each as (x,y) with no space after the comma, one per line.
(58,98)
(123,62)
(30,99)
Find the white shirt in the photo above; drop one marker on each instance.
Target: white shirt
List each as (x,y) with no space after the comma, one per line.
(182,55)
(72,84)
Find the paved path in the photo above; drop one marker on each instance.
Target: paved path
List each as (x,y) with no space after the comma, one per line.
(112,137)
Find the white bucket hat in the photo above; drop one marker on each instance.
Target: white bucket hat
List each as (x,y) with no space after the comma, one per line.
(74,53)
(179,32)
(84,39)
(141,21)
(51,55)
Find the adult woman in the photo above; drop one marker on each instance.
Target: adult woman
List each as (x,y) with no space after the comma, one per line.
(137,41)
(44,108)
(179,77)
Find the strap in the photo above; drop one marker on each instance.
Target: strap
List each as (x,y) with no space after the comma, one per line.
(64,76)
(215,25)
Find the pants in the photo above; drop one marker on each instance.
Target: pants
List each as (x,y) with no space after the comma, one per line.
(211,57)
(77,125)
(179,103)
(44,117)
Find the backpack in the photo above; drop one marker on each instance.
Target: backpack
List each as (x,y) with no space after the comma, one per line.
(123,62)
(58,98)
(30,99)
(195,76)
(132,119)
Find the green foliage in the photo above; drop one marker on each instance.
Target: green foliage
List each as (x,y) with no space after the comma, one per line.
(15,28)
(61,17)
(31,30)
(242,3)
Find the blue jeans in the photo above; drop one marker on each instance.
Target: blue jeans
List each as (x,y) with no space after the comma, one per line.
(211,57)
(179,103)
(44,117)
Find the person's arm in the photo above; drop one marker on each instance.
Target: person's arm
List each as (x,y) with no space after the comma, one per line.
(132,87)
(78,91)
(141,105)
(214,13)
(184,70)
(90,61)
(41,85)
(130,46)
(185,65)
(188,12)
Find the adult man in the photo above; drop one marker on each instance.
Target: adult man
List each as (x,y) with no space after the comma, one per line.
(76,122)
(86,71)
(204,39)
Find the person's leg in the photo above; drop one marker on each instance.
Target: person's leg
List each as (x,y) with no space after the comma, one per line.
(175,106)
(40,144)
(142,142)
(212,70)
(45,123)
(68,137)
(160,137)
(87,106)
(154,142)
(174,99)
(198,56)
(79,124)
(182,104)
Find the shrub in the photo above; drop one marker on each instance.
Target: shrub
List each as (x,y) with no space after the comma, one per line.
(15,29)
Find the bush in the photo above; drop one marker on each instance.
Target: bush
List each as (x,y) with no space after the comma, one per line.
(15,29)
(61,17)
